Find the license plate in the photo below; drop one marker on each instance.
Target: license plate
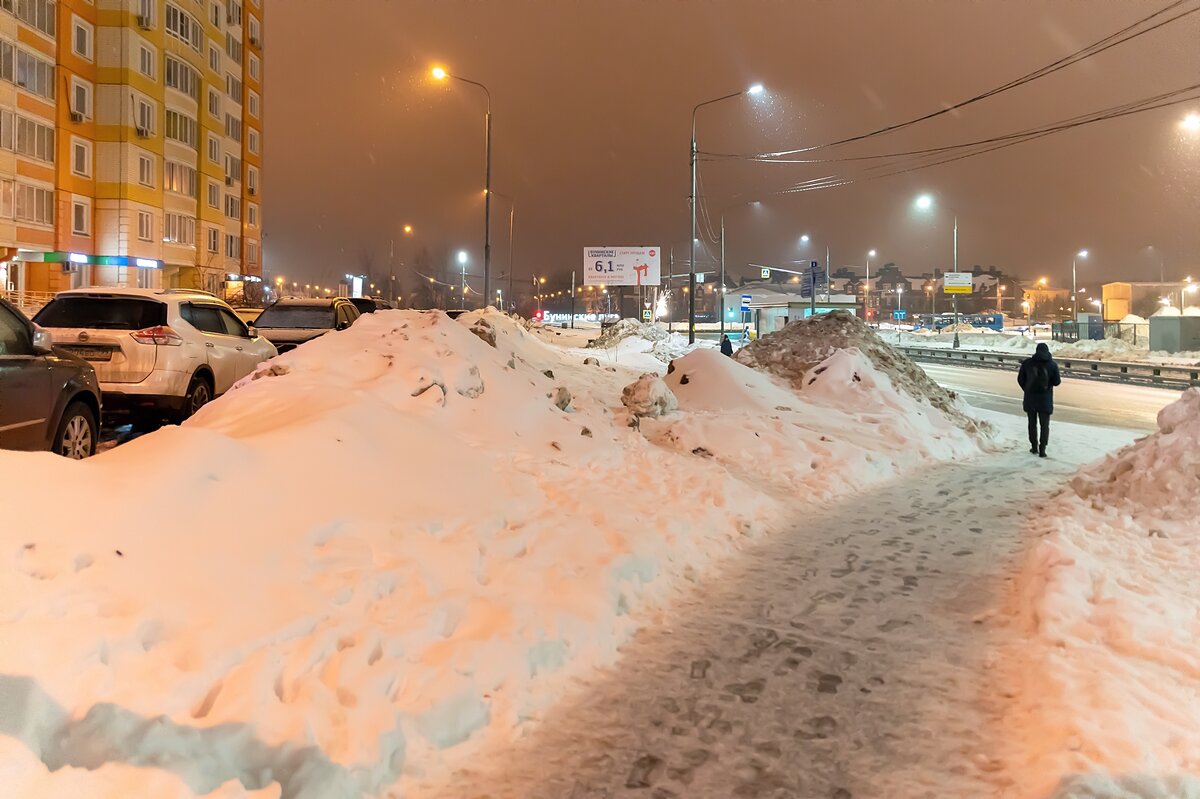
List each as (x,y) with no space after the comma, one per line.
(92,353)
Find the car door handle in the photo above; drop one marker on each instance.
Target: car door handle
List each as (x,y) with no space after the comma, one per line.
(209,344)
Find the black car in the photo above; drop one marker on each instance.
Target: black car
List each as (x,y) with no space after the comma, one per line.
(291,321)
(49,399)
(370,304)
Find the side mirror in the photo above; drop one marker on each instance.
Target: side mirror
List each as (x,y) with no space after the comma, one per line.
(252,331)
(342,325)
(43,342)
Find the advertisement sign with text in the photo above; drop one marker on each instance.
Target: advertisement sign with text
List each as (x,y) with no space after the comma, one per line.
(957,282)
(622,266)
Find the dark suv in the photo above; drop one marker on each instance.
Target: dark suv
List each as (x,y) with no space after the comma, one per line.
(289,322)
(367,305)
(49,400)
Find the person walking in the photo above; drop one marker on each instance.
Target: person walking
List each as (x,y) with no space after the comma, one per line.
(726,346)
(1037,378)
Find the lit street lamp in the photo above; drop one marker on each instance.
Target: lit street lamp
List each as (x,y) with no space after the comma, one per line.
(1074,290)
(441,74)
(462,262)
(925,203)
(1190,123)
(866,288)
(752,91)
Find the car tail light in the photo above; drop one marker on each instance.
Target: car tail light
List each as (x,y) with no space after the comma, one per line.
(160,334)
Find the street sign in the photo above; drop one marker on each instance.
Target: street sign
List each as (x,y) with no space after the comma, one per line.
(622,266)
(647,315)
(816,268)
(957,282)
(899,315)
(746,302)
(699,277)
(765,273)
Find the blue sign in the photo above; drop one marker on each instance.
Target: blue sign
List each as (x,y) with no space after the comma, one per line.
(899,315)
(745,302)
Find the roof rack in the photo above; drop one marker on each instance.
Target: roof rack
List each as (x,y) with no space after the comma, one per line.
(190,291)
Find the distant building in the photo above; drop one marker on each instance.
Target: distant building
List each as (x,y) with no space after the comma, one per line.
(130,144)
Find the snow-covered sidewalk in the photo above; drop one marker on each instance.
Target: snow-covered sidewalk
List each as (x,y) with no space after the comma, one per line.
(846,658)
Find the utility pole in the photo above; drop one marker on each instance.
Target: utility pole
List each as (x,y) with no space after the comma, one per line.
(572,299)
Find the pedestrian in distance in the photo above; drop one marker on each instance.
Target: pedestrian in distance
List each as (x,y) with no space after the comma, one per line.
(726,346)
(1037,378)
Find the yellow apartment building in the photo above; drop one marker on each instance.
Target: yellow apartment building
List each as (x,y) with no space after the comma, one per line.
(130,145)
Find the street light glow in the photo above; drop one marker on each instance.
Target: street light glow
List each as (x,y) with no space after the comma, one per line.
(439,73)
(871,253)
(755,89)
(924,202)
(804,239)
(408,228)
(1191,123)
(462,256)
(1083,253)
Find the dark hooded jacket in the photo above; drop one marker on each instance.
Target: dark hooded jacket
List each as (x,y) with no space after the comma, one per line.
(1039,401)
(726,346)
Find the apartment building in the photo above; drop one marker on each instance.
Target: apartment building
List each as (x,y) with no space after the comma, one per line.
(130,144)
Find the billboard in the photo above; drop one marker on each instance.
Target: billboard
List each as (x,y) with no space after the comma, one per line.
(957,282)
(622,266)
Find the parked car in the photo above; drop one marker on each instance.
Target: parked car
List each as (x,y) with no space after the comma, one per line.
(158,353)
(49,400)
(367,305)
(291,321)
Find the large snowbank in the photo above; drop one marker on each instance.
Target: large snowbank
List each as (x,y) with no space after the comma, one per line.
(630,336)
(390,547)
(1107,674)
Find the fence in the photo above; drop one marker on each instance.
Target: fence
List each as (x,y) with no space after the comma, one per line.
(30,302)
(1176,377)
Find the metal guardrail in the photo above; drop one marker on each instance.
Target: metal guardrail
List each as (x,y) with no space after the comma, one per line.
(1175,377)
(30,302)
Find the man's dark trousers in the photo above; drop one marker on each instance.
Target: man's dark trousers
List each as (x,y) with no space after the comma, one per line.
(1037,418)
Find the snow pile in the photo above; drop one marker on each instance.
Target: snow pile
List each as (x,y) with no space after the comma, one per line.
(389,542)
(648,396)
(1108,675)
(630,336)
(1107,349)
(1167,310)
(1134,319)
(1191,310)
(805,344)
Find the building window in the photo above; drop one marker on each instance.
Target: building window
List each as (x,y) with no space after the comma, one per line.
(255,32)
(233,206)
(181,77)
(81,158)
(146,170)
(252,141)
(214,149)
(233,127)
(179,229)
(145,13)
(252,180)
(233,246)
(255,69)
(145,226)
(181,128)
(179,178)
(214,195)
(214,240)
(27,70)
(233,87)
(34,140)
(214,103)
(81,218)
(252,252)
(184,27)
(214,13)
(234,16)
(252,214)
(254,101)
(145,118)
(34,204)
(234,49)
(38,13)
(146,62)
(81,97)
(82,38)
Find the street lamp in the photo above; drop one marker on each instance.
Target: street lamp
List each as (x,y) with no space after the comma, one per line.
(441,74)
(1191,123)
(1000,297)
(754,90)
(925,203)
(462,262)
(867,288)
(1074,290)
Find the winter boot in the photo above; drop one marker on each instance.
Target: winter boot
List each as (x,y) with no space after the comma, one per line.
(1041,452)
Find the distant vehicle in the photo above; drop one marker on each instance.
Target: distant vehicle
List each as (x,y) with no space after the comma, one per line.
(49,400)
(248,315)
(993,321)
(292,321)
(158,353)
(367,305)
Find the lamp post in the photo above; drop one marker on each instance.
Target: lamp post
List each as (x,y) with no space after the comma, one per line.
(462,262)
(722,287)
(867,288)
(1074,290)
(925,203)
(441,74)
(753,90)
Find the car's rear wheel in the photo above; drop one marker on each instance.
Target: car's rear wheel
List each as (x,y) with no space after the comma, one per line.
(78,432)
(199,394)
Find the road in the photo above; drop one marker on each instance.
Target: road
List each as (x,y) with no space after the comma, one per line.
(1086,402)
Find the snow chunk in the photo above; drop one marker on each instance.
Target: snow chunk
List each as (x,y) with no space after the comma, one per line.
(649,396)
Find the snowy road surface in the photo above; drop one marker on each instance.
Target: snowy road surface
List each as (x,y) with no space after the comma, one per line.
(846,658)
(1080,401)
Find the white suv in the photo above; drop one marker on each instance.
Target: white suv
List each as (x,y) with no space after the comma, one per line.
(156,352)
